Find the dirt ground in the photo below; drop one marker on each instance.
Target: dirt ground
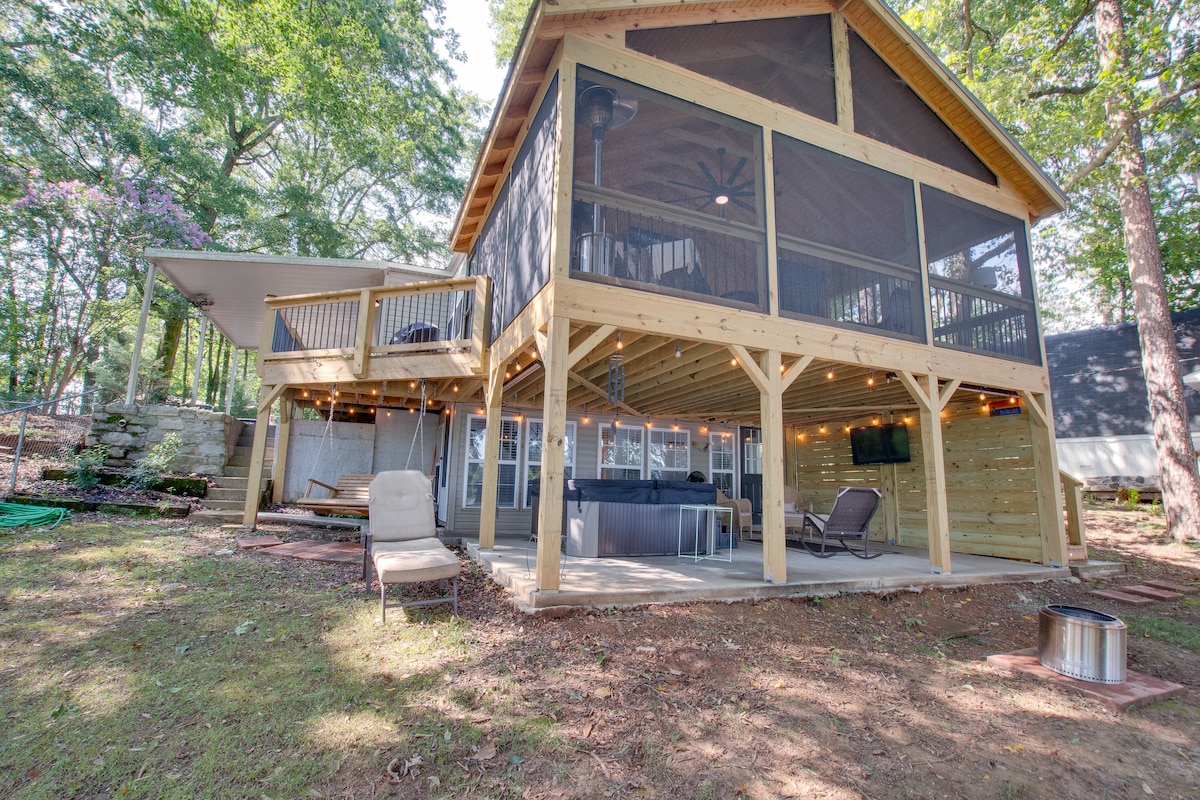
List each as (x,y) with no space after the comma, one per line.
(845,697)
(854,696)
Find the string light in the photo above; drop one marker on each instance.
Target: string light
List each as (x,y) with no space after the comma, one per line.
(620,344)
(829,375)
(678,352)
(733,362)
(871,380)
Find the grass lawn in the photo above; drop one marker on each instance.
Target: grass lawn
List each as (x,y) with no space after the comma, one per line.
(151,659)
(134,662)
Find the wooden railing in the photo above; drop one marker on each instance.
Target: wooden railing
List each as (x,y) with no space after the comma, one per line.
(449,316)
(1073,498)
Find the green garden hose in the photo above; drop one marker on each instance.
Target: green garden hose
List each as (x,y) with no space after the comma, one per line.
(14,515)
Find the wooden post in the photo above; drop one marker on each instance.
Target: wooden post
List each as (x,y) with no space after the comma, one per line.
(493,394)
(554,351)
(768,377)
(266,398)
(1049,489)
(282,436)
(931,403)
(771,416)
(1076,538)
(890,504)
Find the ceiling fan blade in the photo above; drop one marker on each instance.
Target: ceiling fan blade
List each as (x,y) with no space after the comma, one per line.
(705,189)
(741,187)
(736,170)
(740,204)
(708,174)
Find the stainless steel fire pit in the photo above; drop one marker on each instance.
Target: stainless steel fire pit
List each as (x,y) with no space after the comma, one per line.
(1082,643)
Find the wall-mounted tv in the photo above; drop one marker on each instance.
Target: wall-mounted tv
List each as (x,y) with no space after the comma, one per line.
(880,444)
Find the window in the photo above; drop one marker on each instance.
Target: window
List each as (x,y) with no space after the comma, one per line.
(669,454)
(720,461)
(506,484)
(980,288)
(668,195)
(621,456)
(847,237)
(752,454)
(533,454)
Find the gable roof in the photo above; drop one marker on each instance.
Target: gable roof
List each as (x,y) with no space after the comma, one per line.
(873,20)
(1097,384)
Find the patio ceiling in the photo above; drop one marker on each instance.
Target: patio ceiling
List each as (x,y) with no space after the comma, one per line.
(229,288)
(701,382)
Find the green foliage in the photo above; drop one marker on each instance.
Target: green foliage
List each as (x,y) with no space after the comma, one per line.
(1036,66)
(156,462)
(1166,630)
(1128,497)
(280,128)
(506,18)
(87,466)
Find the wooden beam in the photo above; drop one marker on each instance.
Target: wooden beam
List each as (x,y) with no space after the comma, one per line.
(268,395)
(795,370)
(746,362)
(258,453)
(934,456)
(585,383)
(554,435)
(282,439)
(493,396)
(1049,484)
(841,72)
(589,344)
(771,422)
(362,343)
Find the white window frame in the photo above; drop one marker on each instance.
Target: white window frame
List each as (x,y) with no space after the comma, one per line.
(640,466)
(568,454)
(515,461)
(723,442)
(678,436)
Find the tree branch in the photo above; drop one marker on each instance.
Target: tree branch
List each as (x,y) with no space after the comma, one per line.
(1120,133)
(1048,91)
(1083,14)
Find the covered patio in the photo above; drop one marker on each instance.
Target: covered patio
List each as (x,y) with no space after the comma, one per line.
(607,582)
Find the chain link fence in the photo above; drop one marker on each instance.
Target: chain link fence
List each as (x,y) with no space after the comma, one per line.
(34,436)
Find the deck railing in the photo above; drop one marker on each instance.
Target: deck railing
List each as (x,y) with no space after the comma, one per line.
(990,322)
(418,318)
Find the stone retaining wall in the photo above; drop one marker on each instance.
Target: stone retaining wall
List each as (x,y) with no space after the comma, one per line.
(130,431)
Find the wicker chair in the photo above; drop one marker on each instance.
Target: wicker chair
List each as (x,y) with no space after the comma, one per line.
(850,518)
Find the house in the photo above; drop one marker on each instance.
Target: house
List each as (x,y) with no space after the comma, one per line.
(714,236)
(1101,410)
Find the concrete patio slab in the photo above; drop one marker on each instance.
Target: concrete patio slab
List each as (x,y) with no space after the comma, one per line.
(621,582)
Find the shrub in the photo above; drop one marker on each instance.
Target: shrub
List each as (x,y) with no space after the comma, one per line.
(87,466)
(156,461)
(1128,497)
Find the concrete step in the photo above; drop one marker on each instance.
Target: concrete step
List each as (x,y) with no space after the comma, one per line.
(244,472)
(229,482)
(1094,569)
(225,505)
(1173,587)
(244,461)
(247,451)
(1152,592)
(216,516)
(225,494)
(1122,597)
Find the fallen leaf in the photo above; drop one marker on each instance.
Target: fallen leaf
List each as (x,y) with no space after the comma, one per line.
(245,627)
(603,693)
(1146,788)
(485,753)
(1014,748)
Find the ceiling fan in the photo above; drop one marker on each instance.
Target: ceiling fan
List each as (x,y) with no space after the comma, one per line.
(721,189)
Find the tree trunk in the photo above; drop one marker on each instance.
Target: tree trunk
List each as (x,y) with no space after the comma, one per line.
(164,360)
(1156,333)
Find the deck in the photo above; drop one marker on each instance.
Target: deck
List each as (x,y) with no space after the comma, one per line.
(606,582)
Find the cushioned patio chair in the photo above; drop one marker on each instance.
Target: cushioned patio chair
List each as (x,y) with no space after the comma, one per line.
(850,518)
(401,540)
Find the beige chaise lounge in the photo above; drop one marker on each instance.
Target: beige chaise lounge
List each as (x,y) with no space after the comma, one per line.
(401,538)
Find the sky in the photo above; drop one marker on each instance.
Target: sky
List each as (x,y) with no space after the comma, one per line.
(479,75)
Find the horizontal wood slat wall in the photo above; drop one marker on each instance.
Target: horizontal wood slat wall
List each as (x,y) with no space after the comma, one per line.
(991,492)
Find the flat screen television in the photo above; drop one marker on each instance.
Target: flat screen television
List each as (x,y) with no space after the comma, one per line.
(880,444)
